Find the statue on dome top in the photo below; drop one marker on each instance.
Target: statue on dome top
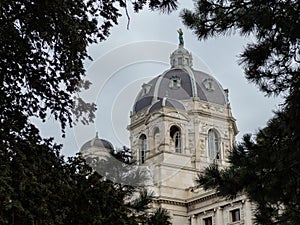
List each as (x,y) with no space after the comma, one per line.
(181,43)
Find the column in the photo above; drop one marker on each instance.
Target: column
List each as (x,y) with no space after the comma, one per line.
(219,216)
(248,212)
(198,220)
(193,220)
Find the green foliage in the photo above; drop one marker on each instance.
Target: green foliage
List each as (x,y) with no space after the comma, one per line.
(266,167)
(272,61)
(119,170)
(95,200)
(39,187)
(162,5)
(160,217)
(267,170)
(43,47)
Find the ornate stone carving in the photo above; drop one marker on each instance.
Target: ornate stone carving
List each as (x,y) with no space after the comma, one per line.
(191,146)
(226,133)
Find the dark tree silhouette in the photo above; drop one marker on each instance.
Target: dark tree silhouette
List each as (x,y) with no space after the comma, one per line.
(267,166)
(43,46)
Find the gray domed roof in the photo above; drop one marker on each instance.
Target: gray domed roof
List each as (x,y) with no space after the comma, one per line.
(166,102)
(97,142)
(180,82)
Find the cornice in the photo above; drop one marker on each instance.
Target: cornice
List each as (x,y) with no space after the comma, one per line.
(186,203)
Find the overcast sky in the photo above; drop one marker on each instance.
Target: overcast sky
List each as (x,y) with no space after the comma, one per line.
(132,57)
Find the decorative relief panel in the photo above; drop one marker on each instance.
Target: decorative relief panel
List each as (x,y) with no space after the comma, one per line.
(203,127)
(201,146)
(225,132)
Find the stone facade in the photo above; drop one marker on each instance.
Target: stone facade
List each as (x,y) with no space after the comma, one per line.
(181,123)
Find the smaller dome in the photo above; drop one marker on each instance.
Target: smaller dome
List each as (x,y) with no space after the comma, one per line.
(97,142)
(166,102)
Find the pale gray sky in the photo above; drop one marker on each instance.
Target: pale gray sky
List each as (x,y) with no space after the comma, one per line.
(131,57)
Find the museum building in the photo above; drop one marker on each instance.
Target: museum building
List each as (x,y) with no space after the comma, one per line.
(181,122)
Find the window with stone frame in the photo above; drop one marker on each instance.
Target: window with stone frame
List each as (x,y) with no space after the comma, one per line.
(213,145)
(207,221)
(143,148)
(176,137)
(175,82)
(235,215)
(180,61)
(209,84)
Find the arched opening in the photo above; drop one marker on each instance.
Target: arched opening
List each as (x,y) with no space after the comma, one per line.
(143,148)
(176,137)
(213,144)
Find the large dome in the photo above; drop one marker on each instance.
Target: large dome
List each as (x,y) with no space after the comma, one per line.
(181,82)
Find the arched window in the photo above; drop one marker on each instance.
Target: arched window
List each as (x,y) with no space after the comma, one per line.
(213,145)
(143,148)
(176,137)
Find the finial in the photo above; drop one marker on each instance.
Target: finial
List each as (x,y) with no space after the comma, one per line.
(97,135)
(180,37)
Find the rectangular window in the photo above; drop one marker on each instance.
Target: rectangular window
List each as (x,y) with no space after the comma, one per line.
(235,215)
(180,61)
(207,221)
